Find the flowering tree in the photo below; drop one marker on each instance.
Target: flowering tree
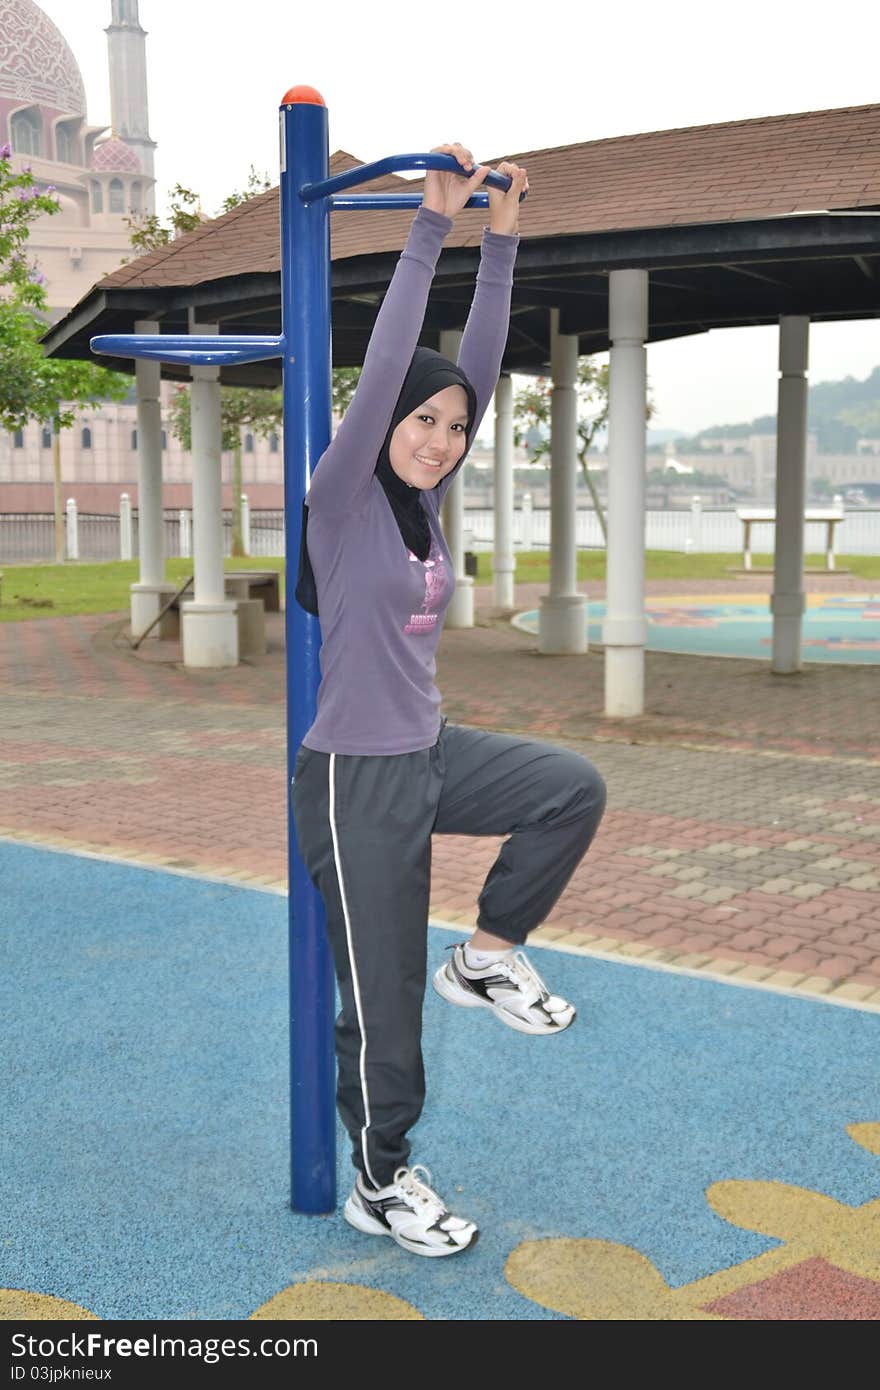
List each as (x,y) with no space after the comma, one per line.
(22,296)
(32,386)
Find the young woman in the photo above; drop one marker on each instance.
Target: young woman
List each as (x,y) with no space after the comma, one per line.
(380,771)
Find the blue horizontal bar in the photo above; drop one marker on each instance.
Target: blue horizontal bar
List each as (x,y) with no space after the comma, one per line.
(393,164)
(395,200)
(192,349)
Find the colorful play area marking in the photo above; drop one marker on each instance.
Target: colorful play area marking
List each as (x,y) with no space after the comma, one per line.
(689,1150)
(836,628)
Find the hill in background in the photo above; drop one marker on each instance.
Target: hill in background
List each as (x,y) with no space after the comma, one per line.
(840,413)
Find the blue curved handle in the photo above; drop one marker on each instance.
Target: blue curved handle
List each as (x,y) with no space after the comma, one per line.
(393,164)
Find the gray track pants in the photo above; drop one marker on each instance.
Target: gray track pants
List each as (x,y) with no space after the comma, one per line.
(364,827)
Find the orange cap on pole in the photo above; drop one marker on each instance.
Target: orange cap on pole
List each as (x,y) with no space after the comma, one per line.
(302,95)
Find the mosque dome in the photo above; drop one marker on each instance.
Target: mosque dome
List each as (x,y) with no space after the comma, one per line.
(113,156)
(36,64)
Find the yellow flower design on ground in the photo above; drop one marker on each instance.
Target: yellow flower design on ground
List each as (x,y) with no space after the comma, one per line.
(23,1305)
(347,1302)
(828,1266)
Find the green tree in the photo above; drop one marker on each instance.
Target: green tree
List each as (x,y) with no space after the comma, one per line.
(256,184)
(147,232)
(32,386)
(22,294)
(241,408)
(344,383)
(532,410)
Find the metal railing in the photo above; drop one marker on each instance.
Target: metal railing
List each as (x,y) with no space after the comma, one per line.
(30,536)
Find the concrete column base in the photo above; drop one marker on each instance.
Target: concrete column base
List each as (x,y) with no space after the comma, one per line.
(209,634)
(624,682)
(788,611)
(460,612)
(146,600)
(562,624)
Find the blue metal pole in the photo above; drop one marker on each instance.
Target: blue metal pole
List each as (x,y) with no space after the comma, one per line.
(305,309)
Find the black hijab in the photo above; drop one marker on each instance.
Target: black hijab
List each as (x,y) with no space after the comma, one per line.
(428,372)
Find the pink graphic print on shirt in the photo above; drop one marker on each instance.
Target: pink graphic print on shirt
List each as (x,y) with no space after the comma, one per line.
(435,588)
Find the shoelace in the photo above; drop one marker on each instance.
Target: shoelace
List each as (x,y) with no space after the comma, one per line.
(418,1188)
(526,973)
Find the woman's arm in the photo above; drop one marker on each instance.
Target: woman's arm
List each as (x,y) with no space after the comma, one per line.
(346,467)
(488,324)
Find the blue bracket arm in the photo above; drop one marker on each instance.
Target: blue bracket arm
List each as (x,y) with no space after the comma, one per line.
(191,349)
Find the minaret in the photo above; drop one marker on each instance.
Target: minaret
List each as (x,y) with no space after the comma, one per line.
(126,41)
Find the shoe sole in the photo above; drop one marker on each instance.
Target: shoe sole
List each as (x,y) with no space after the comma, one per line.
(454,994)
(363,1221)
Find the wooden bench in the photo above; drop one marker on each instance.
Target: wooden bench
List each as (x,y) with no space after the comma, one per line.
(767,515)
(246,584)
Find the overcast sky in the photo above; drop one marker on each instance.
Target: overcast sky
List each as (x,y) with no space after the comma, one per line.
(398,77)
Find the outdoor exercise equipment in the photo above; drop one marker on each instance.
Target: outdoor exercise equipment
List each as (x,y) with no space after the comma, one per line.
(307,195)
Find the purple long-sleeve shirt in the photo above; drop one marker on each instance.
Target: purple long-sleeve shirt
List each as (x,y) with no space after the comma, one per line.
(381,608)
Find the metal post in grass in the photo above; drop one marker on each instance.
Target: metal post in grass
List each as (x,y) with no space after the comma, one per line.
(307,195)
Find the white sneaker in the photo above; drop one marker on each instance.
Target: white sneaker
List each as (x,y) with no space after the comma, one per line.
(409,1211)
(511,988)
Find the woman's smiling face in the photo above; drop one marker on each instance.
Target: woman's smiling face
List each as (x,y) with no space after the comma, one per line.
(428,443)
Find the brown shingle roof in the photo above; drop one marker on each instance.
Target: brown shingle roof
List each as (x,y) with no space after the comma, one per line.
(734,171)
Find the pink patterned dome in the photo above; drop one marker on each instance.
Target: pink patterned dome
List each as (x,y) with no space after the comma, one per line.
(113,156)
(36,65)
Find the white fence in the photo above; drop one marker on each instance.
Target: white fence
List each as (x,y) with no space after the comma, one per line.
(718,531)
(30,536)
(27,536)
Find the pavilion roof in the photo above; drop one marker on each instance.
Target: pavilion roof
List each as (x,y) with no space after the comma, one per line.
(734,171)
(703,199)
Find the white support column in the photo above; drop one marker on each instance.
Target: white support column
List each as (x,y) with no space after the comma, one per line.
(503,562)
(460,612)
(624,631)
(151,591)
(562,622)
(209,621)
(185,533)
(787,603)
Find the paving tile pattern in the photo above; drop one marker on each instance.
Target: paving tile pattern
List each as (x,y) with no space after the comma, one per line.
(742,835)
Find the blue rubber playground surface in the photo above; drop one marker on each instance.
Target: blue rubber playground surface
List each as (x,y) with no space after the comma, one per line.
(841,628)
(689,1148)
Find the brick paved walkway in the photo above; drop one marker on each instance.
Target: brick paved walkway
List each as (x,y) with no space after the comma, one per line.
(742,834)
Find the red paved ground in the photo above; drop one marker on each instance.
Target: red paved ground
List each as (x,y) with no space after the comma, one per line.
(743,825)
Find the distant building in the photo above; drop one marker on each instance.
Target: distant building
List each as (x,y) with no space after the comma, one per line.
(101,174)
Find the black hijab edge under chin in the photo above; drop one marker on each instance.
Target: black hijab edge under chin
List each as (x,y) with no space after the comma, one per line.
(429,371)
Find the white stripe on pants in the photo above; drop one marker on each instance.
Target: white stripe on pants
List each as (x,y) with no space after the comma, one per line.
(364,827)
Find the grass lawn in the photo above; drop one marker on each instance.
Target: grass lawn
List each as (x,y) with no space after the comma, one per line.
(47,591)
(533,567)
(58,591)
